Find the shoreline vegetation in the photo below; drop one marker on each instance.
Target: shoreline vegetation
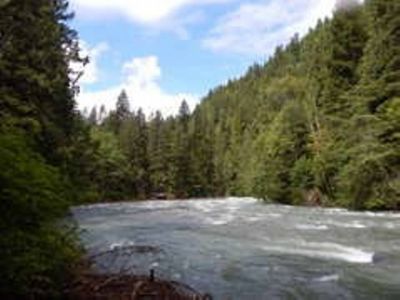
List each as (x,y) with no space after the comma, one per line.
(319,122)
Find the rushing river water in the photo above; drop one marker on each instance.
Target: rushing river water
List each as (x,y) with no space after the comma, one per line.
(239,248)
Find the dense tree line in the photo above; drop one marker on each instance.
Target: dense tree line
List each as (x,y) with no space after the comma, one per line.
(317,123)
(136,157)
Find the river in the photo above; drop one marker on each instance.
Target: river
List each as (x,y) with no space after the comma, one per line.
(240,248)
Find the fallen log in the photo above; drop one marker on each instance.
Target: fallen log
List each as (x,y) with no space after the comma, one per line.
(122,285)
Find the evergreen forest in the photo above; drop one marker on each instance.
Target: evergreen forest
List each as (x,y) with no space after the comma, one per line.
(318,124)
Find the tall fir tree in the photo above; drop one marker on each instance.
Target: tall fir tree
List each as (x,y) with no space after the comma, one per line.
(36,90)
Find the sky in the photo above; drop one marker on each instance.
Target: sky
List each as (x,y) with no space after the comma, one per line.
(164,51)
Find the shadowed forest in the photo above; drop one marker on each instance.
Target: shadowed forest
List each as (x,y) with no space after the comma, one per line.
(318,123)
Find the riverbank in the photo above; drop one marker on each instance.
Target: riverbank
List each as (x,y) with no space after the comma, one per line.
(92,283)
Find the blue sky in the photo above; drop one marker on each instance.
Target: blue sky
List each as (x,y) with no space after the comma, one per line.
(163,51)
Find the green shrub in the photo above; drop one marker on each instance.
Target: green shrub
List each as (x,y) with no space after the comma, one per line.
(35,254)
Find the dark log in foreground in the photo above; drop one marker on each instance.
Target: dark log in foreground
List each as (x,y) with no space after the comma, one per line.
(130,287)
(125,286)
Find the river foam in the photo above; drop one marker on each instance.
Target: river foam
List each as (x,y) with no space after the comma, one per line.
(354,224)
(328,278)
(323,251)
(311,227)
(294,251)
(121,244)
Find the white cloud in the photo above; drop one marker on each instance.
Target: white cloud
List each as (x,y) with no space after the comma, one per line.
(91,73)
(156,15)
(141,11)
(141,76)
(177,24)
(143,71)
(257,28)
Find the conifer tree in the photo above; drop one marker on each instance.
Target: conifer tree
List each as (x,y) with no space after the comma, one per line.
(93,116)
(123,106)
(39,136)
(34,70)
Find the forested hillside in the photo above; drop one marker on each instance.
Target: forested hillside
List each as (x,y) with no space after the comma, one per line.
(318,123)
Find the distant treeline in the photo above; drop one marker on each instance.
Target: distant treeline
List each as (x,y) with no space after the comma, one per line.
(318,123)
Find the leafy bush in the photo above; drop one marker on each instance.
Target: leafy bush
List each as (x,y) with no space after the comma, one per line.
(35,254)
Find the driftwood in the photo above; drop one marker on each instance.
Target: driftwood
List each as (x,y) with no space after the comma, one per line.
(130,287)
(123,285)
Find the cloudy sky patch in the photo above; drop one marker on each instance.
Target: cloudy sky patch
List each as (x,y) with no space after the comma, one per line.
(162,52)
